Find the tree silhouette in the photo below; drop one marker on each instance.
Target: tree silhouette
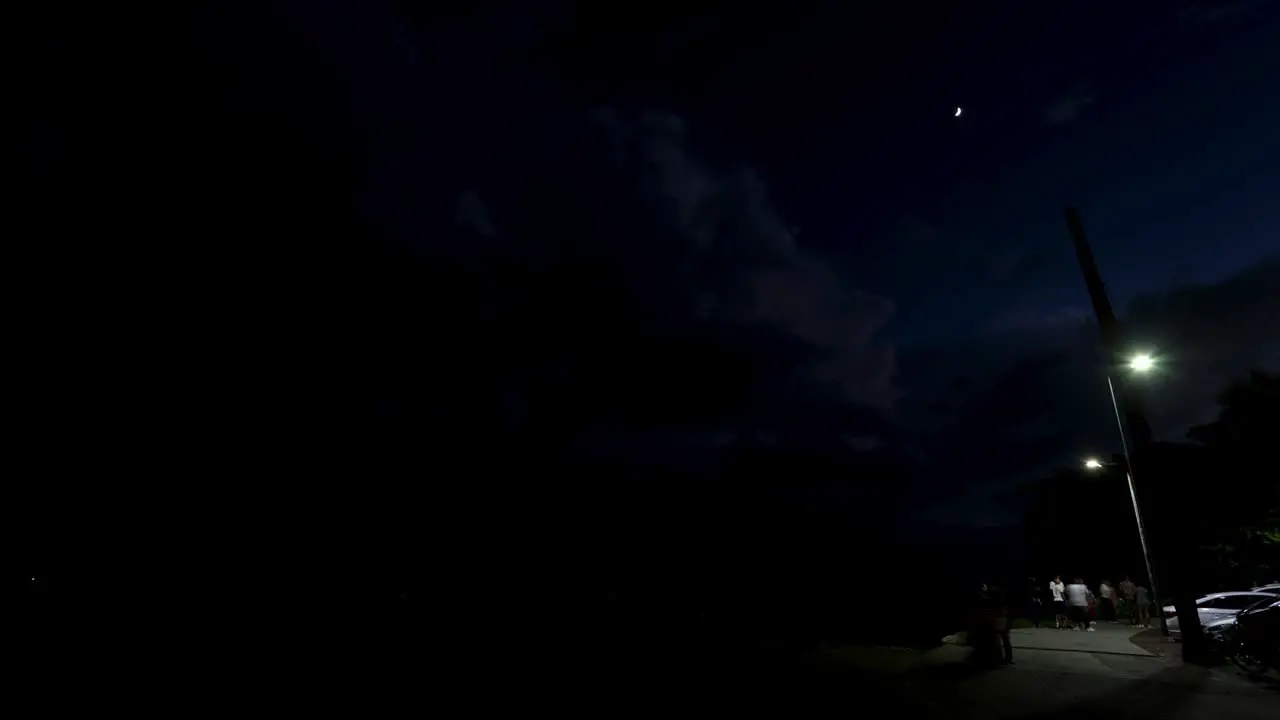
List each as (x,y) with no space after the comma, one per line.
(1247,420)
(1241,532)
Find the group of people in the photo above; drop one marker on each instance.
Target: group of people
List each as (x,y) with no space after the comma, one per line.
(1075,606)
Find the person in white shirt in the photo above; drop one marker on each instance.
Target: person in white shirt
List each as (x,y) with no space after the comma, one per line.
(1107,596)
(1078,605)
(1059,601)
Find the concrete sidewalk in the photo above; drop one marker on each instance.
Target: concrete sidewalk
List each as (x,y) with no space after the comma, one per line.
(1075,684)
(1060,673)
(1106,638)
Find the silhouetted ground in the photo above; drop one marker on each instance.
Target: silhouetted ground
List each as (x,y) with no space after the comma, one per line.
(1068,681)
(1055,683)
(409,655)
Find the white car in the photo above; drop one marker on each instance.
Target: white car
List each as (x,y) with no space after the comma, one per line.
(1215,607)
(1272,588)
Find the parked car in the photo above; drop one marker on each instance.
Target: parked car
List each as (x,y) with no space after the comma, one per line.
(1223,633)
(1215,607)
(1272,588)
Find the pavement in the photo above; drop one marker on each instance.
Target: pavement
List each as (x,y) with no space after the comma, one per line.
(1107,638)
(1060,673)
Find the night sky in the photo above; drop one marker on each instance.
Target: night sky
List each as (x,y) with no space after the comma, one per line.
(1157,120)
(815,170)
(792,169)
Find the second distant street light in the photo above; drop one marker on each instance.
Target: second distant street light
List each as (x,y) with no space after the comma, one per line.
(1140,363)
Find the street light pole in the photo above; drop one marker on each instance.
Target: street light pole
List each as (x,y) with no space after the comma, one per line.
(1194,644)
(1137,513)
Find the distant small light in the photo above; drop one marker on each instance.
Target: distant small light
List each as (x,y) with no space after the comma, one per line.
(958,111)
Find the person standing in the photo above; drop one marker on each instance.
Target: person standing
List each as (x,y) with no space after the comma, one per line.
(980,627)
(1107,597)
(1058,591)
(1000,607)
(1142,612)
(1035,601)
(1078,605)
(1127,592)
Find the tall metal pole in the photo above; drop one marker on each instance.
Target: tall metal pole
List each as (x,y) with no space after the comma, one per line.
(1194,647)
(1137,514)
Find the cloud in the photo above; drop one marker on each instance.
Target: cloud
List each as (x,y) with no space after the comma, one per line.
(1063,317)
(473,215)
(1201,14)
(1204,335)
(917,250)
(994,411)
(738,260)
(1070,106)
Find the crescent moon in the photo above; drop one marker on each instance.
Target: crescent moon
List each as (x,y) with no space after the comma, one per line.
(957,112)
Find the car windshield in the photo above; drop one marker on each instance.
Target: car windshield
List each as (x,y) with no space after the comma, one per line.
(1263,603)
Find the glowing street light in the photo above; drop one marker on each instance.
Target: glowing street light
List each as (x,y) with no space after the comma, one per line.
(1093,463)
(1141,363)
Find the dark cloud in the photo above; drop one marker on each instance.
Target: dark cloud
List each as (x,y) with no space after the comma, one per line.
(1058,318)
(473,215)
(1212,13)
(914,249)
(727,251)
(1001,409)
(694,245)
(696,241)
(1070,105)
(1205,334)
(1017,264)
